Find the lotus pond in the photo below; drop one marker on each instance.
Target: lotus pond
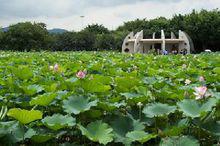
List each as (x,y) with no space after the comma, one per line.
(79,98)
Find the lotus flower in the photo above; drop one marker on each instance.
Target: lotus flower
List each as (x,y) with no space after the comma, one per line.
(56,67)
(187,81)
(200,92)
(201,79)
(81,74)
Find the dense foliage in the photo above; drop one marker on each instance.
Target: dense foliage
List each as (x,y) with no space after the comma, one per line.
(108,98)
(203,27)
(26,36)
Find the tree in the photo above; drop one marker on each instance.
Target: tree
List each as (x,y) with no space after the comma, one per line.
(135,26)
(64,42)
(119,37)
(149,27)
(156,25)
(95,37)
(105,42)
(74,41)
(1,38)
(96,29)
(177,23)
(204,28)
(85,41)
(26,36)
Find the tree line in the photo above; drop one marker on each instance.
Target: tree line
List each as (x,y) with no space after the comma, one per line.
(202,26)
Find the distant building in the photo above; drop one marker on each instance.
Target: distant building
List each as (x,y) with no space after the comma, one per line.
(137,44)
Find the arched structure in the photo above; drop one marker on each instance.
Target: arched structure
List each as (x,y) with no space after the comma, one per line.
(137,44)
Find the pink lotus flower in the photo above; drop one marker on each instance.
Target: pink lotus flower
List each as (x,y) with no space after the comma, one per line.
(200,92)
(56,67)
(187,81)
(201,79)
(81,74)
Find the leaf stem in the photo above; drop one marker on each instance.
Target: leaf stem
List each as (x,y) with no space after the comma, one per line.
(34,107)
(140,113)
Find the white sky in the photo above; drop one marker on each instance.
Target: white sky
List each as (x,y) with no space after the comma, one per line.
(111,13)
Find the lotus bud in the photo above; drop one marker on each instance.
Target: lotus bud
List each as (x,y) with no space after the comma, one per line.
(184,66)
(56,67)
(201,79)
(139,104)
(51,67)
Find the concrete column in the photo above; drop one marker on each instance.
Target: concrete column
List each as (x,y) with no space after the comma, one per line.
(185,45)
(163,45)
(153,45)
(173,35)
(128,47)
(138,45)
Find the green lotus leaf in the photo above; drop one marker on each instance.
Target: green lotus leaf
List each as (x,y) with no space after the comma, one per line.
(92,86)
(193,108)
(41,138)
(25,116)
(7,127)
(189,107)
(140,136)
(40,135)
(179,141)
(15,130)
(32,89)
(43,100)
(150,80)
(173,130)
(98,132)
(92,113)
(58,121)
(134,98)
(131,95)
(216,94)
(124,124)
(77,104)
(207,106)
(30,133)
(217,70)
(106,80)
(158,109)
(72,80)
(23,72)
(110,106)
(213,127)
(124,84)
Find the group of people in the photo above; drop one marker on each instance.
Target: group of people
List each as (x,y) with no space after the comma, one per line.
(174,52)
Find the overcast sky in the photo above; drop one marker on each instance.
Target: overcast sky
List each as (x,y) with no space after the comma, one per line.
(111,13)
